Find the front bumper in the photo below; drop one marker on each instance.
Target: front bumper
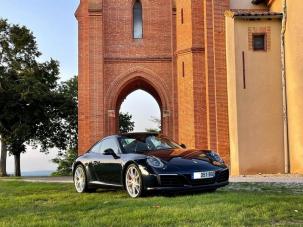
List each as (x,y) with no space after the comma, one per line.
(184,181)
(189,187)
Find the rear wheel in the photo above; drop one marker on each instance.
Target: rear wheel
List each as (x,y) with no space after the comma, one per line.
(133,181)
(80,180)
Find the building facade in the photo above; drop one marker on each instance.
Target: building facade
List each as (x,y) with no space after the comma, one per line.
(189,55)
(264,74)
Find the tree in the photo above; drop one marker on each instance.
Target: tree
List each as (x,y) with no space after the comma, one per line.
(65,161)
(69,90)
(29,102)
(152,130)
(3,160)
(125,122)
(157,122)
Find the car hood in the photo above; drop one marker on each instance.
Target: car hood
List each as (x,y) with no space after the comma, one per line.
(167,155)
(186,159)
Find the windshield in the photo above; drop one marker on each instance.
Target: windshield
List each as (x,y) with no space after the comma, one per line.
(139,143)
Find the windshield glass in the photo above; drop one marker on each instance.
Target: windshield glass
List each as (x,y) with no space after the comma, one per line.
(139,143)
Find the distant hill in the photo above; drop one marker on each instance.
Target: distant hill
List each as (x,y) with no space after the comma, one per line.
(43,173)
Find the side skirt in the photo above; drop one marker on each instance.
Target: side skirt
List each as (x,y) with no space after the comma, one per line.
(105,184)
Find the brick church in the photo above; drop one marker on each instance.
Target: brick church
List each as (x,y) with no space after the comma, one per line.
(176,51)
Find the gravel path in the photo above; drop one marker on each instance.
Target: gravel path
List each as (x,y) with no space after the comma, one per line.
(279,178)
(268,178)
(49,179)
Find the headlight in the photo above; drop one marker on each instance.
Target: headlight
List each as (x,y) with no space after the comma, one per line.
(215,157)
(155,162)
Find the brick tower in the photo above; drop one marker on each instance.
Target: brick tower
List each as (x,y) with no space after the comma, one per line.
(201,66)
(179,58)
(113,63)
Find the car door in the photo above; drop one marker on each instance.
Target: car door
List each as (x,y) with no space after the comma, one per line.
(92,158)
(108,167)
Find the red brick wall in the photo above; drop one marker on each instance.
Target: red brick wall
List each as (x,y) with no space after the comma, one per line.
(110,61)
(203,93)
(219,7)
(210,74)
(184,73)
(191,82)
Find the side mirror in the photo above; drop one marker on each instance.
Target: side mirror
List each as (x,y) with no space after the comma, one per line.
(110,152)
(183,146)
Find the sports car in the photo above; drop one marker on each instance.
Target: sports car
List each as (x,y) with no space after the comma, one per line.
(142,162)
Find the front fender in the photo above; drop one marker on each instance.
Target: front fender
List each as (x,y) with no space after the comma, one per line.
(148,173)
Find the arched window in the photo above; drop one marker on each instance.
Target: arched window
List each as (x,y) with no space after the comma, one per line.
(137,20)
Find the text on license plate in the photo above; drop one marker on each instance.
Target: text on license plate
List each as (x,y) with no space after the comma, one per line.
(204,175)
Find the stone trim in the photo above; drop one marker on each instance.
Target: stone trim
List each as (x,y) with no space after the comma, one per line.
(190,50)
(259,30)
(138,59)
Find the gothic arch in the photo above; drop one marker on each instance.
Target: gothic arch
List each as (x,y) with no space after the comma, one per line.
(132,80)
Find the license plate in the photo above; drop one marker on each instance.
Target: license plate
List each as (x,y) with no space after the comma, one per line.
(203,175)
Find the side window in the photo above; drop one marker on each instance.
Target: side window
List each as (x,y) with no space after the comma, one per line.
(96,148)
(110,143)
(137,20)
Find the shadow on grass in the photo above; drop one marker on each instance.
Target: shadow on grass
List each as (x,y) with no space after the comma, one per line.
(286,188)
(106,190)
(168,194)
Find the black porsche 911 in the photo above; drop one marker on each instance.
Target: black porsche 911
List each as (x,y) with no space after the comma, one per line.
(141,162)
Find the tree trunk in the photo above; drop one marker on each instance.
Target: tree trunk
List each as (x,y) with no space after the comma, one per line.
(17,165)
(3,160)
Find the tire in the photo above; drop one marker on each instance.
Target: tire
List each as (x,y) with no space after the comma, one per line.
(133,181)
(80,179)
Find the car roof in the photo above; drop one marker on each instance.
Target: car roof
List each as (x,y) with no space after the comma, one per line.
(138,133)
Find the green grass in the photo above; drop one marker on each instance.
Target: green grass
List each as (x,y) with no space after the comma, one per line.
(240,204)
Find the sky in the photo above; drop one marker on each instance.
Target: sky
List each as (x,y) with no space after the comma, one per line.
(53,24)
(143,107)
(55,28)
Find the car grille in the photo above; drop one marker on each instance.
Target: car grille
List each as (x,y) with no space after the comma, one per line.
(180,180)
(172,180)
(203,181)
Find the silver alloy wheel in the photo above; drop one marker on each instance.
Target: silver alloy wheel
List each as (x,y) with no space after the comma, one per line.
(80,179)
(133,182)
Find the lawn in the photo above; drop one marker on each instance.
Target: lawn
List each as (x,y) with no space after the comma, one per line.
(240,204)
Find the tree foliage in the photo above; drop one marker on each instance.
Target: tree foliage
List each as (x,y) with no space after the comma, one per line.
(30,104)
(69,111)
(157,122)
(125,123)
(65,159)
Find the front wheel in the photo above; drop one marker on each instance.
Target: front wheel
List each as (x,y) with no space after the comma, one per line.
(133,181)
(80,179)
